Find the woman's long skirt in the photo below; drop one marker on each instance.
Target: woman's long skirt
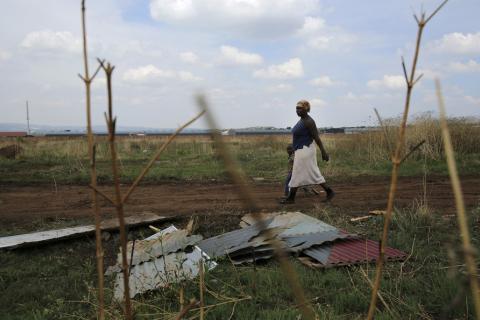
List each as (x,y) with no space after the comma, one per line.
(305,169)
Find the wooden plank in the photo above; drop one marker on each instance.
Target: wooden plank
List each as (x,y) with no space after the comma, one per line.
(41,237)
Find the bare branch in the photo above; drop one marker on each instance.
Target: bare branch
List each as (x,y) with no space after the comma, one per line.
(418,79)
(118,196)
(104,195)
(385,132)
(159,152)
(436,10)
(416,19)
(405,70)
(193,303)
(395,169)
(418,145)
(81,77)
(461,215)
(96,72)
(93,171)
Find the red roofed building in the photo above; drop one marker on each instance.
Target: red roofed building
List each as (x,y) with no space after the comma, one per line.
(13,134)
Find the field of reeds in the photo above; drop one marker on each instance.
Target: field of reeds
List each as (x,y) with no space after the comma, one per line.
(45,160)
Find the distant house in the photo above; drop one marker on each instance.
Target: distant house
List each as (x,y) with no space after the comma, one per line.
(228,132)
(13,134)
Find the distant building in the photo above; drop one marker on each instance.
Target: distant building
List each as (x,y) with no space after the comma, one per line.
(229,132)
(13,134)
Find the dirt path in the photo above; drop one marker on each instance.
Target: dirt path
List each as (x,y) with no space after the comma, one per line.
(23,204)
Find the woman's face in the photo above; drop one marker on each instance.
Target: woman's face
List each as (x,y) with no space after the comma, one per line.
(301,111)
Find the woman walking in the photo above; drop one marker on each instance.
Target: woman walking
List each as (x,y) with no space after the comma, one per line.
(305,169)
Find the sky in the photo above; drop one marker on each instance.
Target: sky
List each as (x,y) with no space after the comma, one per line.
(253,59)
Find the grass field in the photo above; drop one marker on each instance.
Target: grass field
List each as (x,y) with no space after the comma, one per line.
(64,160)
(58,281)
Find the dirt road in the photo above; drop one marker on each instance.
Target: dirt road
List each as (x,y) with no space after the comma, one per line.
(20,205)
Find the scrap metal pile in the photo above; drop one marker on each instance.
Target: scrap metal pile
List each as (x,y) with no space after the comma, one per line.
(173,255)
(315,242)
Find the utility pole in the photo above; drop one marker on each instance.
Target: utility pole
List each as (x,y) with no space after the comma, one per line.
(28,120)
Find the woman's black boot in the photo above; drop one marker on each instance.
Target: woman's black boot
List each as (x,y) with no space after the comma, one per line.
(290,198)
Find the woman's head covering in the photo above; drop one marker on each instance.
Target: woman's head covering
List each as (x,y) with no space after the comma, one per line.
(304,104)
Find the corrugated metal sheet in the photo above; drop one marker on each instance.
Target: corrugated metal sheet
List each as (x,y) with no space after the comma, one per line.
(301,242)
(36,238)
(300,234)
(221,245)
(148,249)
(351,251)
(168,262)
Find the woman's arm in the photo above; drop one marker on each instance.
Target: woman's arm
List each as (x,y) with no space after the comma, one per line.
(312,128)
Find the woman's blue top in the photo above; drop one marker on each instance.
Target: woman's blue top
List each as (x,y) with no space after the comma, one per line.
(301,136)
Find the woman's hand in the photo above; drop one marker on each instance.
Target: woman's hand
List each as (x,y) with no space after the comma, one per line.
(325,156)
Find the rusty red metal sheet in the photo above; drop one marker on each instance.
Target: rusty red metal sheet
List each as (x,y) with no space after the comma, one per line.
(351,251)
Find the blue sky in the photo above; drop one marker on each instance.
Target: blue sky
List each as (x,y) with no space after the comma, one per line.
(252,58)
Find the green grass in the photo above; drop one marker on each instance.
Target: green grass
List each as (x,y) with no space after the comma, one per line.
(57,281)
(52,160)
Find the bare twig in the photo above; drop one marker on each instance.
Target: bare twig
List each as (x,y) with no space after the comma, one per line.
(396,163)
(405,69)
(201,287)
(104,195)
(385,132)
(251,203)
(193,303)
(418,79)
(98,69)
(93,172)
(468,250)
(155,157)
(435,12)
(418,145)
(364,274)
(111,124)
(131,257)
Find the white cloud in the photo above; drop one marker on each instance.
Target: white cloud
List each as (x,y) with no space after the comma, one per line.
(152,73)
(187,76)
(320,36)
(473,100)
(293,68)
(323,81)
(388,82)
(457,43)
(4,55)
(52,40)
(311,25)
(189,57)
(469,66)
(253,17)
(234,55)
(281,87)
(172,9)
(317,102)
(428,74)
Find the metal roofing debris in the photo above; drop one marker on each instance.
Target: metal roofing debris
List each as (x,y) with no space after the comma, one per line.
(34,238)
(301,242)
(300,234)
(223,244)
(350,251)
(172,257)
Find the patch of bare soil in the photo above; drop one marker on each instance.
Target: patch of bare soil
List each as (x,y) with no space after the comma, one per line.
(19,205)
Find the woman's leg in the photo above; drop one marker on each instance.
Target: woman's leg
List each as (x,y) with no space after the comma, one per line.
(328,190)
(287,181)
(291,196)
